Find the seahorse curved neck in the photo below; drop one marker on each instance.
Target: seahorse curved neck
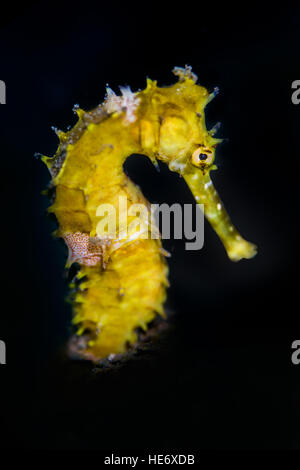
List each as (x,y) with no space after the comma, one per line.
(92,173)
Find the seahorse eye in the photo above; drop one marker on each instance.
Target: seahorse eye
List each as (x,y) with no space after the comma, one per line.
(202,157)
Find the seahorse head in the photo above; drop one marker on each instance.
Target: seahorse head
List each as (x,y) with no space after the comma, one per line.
(173,126)
(173,130)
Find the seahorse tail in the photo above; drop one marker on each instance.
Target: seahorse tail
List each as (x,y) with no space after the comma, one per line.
(127,294)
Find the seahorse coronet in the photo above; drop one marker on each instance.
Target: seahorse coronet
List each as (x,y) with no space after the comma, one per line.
(123,279)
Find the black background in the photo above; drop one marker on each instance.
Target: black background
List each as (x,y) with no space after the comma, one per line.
(222,378)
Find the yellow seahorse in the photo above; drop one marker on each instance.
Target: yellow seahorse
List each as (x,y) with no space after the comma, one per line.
(122,280)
